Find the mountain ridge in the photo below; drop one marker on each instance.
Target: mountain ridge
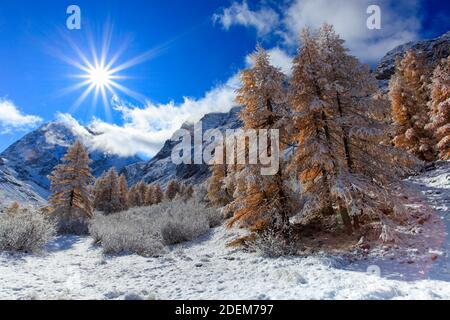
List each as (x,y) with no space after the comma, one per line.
(32,158)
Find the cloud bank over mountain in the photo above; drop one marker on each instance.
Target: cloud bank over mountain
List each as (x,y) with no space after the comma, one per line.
(12,119)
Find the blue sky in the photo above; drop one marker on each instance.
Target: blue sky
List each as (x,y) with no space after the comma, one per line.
(197,48)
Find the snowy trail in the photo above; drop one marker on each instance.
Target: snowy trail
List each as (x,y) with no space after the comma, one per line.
(429,259)
(206,269)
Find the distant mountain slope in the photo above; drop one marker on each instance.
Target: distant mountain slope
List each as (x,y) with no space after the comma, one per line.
(32,158)
(12,189)
(434,49)
(161,169)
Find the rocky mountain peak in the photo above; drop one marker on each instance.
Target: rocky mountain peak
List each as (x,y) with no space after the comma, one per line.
(434,50)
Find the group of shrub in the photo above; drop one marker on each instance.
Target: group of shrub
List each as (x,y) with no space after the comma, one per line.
(25,229)
(148,230)
(142,230)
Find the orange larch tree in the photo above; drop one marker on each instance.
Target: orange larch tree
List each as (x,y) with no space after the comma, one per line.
(263,202)
(440,108)
(408,90)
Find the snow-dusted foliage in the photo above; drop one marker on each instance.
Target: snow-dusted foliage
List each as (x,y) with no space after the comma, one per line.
(70,221)
(261,200)
(272,244)
(157,194)
(184,221)
(136,195)
(440,108)
(146,230)
(71,183)
(123,191)
(341,161)
(173,189)
(25,230)
(220,193)
(107,193)
(408,90)
(127,232)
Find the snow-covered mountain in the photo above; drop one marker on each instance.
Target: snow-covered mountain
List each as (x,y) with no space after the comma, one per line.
(161,169)
(12,189)
(31,159)
(434,49)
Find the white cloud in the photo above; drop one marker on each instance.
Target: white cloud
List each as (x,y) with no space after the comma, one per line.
(278,58)
(400,23)
(146,129)
(11,118)
(263,20)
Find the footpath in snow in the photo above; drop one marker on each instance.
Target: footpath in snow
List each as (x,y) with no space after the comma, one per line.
(205,269)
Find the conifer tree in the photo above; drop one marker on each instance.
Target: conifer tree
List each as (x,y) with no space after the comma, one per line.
(264,201)
(188,192)
(173,189)
(218,193)
(149,198)
(342,164)
(440,108)
(409,95)
(123,192)
(136,195)
(107,193)
(13,208)
(158,194)
(71,182)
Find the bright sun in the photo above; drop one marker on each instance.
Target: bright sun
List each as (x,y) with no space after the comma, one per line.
(100,76)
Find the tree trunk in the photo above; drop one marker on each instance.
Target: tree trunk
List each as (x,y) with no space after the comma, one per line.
(328,211)
(356,224)
(345,135)
(346,220)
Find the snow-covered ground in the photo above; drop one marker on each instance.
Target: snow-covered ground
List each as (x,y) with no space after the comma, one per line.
(206,269)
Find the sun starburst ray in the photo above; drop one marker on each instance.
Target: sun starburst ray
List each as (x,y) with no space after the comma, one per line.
(99,71)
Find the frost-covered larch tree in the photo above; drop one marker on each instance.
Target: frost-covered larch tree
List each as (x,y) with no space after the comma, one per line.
(218,193)
(123,192)
(158,194)
(107,193)
(440,108)
(136,195)
(263,201)
(149,198)
(173,189)
(342,164)
(408,90)
(71,183)
(187,192)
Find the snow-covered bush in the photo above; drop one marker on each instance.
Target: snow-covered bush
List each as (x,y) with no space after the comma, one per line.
(214,216)
(25,230)
(272,244)
(201,194)
(127,232)
(200,198)
(147,230)
(70,221)
(184,221)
